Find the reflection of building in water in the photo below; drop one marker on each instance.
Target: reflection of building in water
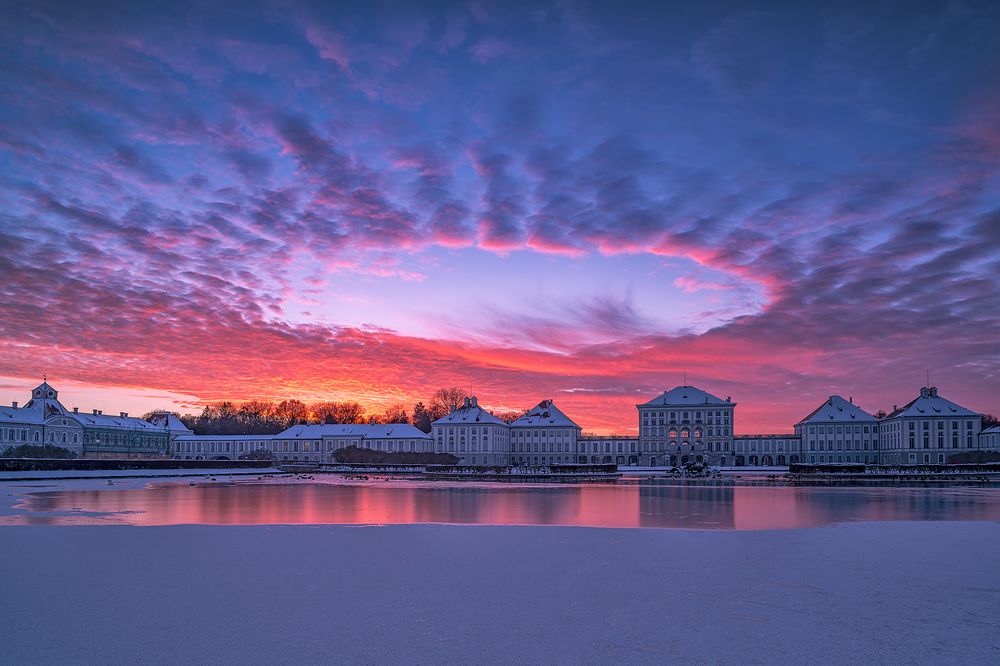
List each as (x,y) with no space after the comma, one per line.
(691,506)
(649,503)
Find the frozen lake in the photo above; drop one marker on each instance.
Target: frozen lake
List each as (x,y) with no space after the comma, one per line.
(289,571)
(630,503)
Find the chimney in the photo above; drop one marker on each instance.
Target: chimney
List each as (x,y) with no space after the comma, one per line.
(14,404)
(466,402)
(76,410)
(453,407)
(124,415)
(934,391)
(475,401)
(96,412)
(925,392)
(851,400)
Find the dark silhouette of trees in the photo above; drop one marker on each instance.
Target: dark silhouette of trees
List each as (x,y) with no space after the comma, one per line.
(444,398)
(35,451)
(262,417)
(510,417)
(394,414)
(421,417)
(989,420)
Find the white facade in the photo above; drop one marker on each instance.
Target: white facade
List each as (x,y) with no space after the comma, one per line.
(838,431)
(219,447)
(763,451)
(989,439)
(928,429)
(544,436)
(306,443)
(43,420)
(473,435)
(618,449)
(685,423)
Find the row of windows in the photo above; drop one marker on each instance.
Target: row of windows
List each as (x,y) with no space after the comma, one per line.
(841,429)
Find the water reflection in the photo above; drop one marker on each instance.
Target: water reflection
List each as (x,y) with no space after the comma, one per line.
(645,503)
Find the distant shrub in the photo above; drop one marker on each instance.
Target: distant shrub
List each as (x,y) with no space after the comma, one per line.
(354,454)
(259,454)
(973,457)
(33,451)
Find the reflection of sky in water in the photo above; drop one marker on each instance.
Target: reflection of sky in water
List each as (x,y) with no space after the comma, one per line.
(647,503)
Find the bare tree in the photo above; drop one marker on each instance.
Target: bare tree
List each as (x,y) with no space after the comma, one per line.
(394,414)
(443,399)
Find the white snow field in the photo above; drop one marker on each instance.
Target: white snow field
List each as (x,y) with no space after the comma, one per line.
(861,593)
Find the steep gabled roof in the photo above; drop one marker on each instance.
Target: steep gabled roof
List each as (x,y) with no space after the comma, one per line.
(686,396)
(171,423)
(470,413)
(929,403)
(544,413)
(838,410)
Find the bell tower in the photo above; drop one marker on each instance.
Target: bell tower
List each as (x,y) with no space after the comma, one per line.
(45,400)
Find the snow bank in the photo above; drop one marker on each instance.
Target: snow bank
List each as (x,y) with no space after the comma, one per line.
(859,593)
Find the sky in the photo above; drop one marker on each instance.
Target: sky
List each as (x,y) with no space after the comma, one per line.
(588,202)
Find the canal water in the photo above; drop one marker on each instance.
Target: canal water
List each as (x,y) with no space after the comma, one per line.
(629,503)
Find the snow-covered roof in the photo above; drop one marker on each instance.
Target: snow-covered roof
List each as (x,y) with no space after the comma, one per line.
(20,415)
(362,430)
(544,413)
(469,413)
(223,438)
(171,423)
(838,410)
(929,403)
(990,431)
(32,415)
(686,396)
(91,420)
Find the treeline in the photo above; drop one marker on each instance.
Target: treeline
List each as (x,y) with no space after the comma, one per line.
(262,417)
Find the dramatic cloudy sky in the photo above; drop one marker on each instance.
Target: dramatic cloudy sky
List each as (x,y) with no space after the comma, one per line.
(534,200)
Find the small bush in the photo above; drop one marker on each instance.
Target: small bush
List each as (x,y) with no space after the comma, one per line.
(33,451)
(259,454)
(354,454)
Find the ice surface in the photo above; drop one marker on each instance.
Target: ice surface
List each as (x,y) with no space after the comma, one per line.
(859,593)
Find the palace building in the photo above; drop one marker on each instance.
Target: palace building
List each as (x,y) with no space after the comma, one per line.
(544,436)
(928,429)
(839,431)
(473,435)
(684,424)
(43,420)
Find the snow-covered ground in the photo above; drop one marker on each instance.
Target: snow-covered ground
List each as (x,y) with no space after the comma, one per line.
(900,592)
